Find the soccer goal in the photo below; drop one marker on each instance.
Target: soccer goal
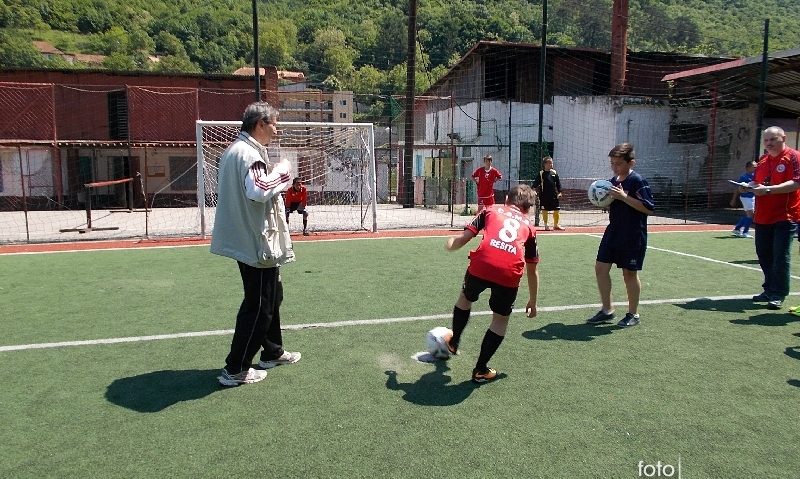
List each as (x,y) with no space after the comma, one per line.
(336,162)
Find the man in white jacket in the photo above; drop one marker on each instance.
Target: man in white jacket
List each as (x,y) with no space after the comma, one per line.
(249,212)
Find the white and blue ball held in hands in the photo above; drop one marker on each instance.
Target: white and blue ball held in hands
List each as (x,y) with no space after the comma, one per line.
(599,193)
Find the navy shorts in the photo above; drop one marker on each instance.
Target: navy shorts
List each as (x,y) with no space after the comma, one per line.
(296,207)
(501,300)
(625,254)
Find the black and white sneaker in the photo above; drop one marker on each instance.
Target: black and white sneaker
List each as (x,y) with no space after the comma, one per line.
(761,298)
(775,304)
(600,317)
(629,320)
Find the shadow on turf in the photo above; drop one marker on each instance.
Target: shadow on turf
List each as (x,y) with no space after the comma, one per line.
(723,305)
(793,352)
(434,388)
(568,332)
(767,319)
(794,382)
(156,391)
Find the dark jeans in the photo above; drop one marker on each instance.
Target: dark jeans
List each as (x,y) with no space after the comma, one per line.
(259,320)
(773,248)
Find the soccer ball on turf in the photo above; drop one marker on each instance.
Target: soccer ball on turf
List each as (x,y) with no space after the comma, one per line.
(599,193)
(436,342)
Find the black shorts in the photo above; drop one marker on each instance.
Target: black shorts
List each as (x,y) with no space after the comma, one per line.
(501,300)
(296,207)
(625,254)
(549,204)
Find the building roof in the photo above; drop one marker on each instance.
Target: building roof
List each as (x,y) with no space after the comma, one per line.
(291,76)
(494,46)
(47,48)
(249,71)
(741,78)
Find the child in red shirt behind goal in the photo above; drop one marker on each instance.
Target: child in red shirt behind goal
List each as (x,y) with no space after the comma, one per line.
(507,249)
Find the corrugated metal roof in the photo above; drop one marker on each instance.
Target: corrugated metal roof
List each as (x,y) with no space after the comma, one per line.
(741,79)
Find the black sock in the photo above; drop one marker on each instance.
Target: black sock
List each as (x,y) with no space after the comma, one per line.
(491,341)
(460,319)
(305,224)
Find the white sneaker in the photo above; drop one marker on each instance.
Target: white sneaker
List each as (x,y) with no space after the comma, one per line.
(286,358)
(248,376)
(745,235)
(737,233)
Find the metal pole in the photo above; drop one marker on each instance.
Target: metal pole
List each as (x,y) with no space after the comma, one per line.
(762,86)
(510,103)
(389,169)
(256,68)
(411,66)
(24,196)
(454,159)
(542,73)
(712,141)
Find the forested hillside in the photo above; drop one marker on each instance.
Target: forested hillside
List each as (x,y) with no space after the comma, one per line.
(361,44)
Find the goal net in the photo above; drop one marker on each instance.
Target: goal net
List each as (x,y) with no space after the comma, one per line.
(336,162)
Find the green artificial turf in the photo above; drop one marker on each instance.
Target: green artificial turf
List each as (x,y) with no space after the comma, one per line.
(712,383)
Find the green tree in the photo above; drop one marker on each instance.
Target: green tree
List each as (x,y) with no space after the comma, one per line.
(120,61)
(391,46)
(277,43)
(19,52)
(178,63)
(367,79)
(59,15)
(168,44)
(330,54)
(115,40)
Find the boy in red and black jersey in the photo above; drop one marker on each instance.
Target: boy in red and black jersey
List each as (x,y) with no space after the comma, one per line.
(507,249)
(296,200)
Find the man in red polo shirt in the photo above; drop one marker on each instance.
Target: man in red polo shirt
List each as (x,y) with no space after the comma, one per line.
(776,184)
(485,178)
(296,200)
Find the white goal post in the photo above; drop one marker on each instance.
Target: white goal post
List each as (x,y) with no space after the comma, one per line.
(336,162)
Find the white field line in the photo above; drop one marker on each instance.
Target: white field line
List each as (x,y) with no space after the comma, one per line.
(337,324)
(445,233)
(703,258)
(712,260)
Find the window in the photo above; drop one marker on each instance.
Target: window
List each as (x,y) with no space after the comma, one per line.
(344,102)
(117,115)
(688,133)
(342,115)
(183,173)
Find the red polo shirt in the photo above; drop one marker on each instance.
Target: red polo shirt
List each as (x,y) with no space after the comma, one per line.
(774,170)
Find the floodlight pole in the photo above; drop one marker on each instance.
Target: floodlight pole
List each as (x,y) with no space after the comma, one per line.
(762,86)
(542,83)
(542,72)
(256,68)
(408,141)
